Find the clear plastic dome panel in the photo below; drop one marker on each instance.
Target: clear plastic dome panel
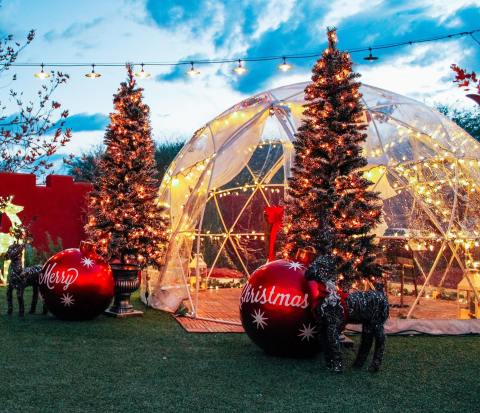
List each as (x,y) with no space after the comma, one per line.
(425,168)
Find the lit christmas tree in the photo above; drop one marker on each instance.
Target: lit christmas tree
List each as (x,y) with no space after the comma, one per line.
(124,220)
(329,206)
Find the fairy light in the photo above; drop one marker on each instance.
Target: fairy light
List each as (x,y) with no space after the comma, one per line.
(136,214)
(415,174)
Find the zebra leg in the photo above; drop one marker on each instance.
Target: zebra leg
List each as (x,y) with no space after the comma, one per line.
(9,299)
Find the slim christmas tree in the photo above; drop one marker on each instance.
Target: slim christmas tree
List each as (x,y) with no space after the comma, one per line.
(329,206)
(124,220)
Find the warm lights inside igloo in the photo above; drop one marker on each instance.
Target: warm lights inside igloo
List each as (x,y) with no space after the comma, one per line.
(424,166)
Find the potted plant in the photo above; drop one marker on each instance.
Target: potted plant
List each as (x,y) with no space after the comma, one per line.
(124,219)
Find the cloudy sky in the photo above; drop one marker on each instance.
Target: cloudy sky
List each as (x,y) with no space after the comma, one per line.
(166,30)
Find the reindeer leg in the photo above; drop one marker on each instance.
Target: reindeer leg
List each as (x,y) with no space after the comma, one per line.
(322,327)
(334,348)
(10,299)
(365,345)
(33,306)
(44,306)
(379,348)
(21,303)
(326,348)
(334,318)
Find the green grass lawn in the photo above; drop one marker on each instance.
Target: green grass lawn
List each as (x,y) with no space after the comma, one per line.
(151,364)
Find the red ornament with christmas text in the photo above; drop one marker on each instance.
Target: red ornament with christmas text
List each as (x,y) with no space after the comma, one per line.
(275,310)
(76,283)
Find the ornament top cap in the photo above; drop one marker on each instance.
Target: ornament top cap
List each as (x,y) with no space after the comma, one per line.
(305,255)
(88,248)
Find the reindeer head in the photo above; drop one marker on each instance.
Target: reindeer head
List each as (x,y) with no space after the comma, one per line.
(21,234)
(14,252)
(21,237)
(323,269)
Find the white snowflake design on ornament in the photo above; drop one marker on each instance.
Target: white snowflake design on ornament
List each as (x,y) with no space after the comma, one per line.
(87,262)
(292,265)
(67,300)
(307,332)
(259,319)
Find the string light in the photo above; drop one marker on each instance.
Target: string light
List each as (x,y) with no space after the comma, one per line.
(93,74)
(284,66)
(42,74)
(192,72)
(142,74)
(240,70)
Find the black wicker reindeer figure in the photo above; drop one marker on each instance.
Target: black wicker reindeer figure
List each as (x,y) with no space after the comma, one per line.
(18,277)
(333,309)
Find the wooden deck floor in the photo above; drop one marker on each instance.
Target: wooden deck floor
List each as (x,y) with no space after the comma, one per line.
(219,304)
(222,304)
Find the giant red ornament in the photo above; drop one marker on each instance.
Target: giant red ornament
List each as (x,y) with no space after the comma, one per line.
(76,283)
(275,310)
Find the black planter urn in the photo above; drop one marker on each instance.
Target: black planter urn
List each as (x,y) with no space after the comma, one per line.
(127,280)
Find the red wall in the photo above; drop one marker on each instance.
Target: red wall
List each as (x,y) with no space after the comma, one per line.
(58,208)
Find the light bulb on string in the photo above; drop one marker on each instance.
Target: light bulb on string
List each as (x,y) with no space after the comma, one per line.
(42,74)
(240,70)
(284,66)
(370,57)
(142,74)
(192,72)
(93,74)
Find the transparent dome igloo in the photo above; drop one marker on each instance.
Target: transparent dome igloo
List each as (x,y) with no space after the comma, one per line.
(425,167)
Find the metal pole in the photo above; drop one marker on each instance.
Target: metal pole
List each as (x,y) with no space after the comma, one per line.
(437,259)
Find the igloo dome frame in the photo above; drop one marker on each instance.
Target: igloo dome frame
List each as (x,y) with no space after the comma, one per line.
(411,149)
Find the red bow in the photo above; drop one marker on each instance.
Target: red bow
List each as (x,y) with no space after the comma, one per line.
(319,292)
(274,217)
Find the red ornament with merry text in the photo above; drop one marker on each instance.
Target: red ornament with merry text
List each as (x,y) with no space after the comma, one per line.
(76,283)
(275,309)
